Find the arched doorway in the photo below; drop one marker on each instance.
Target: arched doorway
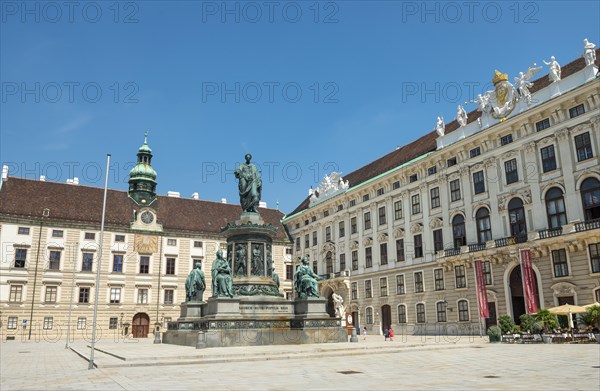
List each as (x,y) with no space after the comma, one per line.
(517,296)
(140,325)
(386,317)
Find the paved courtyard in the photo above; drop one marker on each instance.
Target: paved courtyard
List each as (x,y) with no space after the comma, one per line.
(407,363)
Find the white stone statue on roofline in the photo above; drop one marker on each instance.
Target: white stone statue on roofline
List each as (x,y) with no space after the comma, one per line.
(523,82)
(330,185)
(461,116)
(554,73)
(440,126)
(589,52)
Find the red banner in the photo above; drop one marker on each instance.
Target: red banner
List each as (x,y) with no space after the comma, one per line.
(481,291)
(529,282)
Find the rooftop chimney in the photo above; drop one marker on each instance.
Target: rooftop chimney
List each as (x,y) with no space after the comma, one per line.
(311,191)
(42,178)
(69,181)
(262,204)
(175,194)
(4,172)
(75,181)
(223,200)
(196,196)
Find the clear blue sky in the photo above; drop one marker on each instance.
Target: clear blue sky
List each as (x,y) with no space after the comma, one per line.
(162,66)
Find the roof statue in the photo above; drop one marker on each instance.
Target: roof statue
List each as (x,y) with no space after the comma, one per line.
(440,127)
(554,73)
(331,185)
(589,52)
(524,84)
(461,116)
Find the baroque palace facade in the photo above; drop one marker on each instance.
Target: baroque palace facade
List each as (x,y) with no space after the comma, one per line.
(399,237)
(49,235)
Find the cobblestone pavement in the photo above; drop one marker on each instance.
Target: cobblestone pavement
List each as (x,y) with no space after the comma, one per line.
(412,363)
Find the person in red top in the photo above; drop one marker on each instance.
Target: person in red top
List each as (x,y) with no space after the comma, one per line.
(391,331)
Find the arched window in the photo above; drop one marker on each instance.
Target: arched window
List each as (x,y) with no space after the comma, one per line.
(441,311)
(555,208)
(516,214)
(458,231)
(590,196)
(369,315)
(420,313)
(463,310)
(401,313)
(315,267)
(484,226)
(329,262)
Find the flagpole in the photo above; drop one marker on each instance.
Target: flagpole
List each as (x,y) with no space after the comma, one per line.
(91,363)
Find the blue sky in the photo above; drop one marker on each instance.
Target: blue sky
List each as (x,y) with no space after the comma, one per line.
(306,87)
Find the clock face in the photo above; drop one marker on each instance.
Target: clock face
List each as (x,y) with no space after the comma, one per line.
(147,217)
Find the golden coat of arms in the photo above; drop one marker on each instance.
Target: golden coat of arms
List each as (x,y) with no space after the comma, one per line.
(504,98)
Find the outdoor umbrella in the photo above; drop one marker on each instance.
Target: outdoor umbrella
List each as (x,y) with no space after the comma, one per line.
(566,309)
(591,305)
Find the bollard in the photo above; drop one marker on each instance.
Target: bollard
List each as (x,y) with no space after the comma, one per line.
(354,337)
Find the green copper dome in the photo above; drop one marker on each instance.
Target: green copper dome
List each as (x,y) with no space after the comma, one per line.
(142,177)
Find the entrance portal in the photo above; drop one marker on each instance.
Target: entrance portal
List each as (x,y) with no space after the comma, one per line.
(330,308)
(517,296)
(491,321)
(140,325)
(386,317)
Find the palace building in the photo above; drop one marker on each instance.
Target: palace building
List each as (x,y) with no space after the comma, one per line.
(49,236)
(399,238)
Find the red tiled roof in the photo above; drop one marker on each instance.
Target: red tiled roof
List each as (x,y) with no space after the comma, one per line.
(28,198)
(427,143)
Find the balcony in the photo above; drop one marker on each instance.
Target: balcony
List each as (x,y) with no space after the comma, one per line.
(550,233)
(587,225)
(329,276)
(452,252)
(509,241)
(476,247)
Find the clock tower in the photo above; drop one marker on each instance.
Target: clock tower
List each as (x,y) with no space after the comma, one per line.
(142,178)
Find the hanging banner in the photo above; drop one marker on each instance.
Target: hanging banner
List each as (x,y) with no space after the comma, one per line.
(481,291)
(529,283)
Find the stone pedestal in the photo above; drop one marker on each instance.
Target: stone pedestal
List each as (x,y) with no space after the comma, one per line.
(590,72)
(191,310)
(312,307)
(224,307)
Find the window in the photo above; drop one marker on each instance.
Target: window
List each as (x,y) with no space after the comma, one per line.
(115,295)
(418,282)
(418,243)
(23,230)
(397,210)
(420,313)
(451,162)
(475,152)
(583,146)
(432,170)
(369,315)
(170,266)
(119,239)
(326,213)
(382,219)
(54,263)
(555,208)
(16,294)
(329,262)
(144,265)
(353,225)
(438,240)
(367,220)
(401,313)
(51,292)
(441,311)
(590,195)
(87,262)
(484,225)
(342,229)
(298,244)
(576,111)
(458,231)
(507,139)
(438,277)
(340,207)
(20,257)
(84,295)
(455,190)
(368,257)
(113,323)
(396,185)
(365,198)
(289,272)
(342,262)
(435,197)
(478,182)
(197,244)
(595,257)
(117,263)
(487,273)
(327,234)
(80,323)
(400,250)
(355,260)
(89,236)
(171,242)
(48,321)
(516,217)
(416,204)
(463,311)
(510,170)
(354,290)
(352,203)
(142,297)
(368,289)
(559,260)
(12,322)
(314,238)
(548,158)
(543,124)
(313,218)
(169,296)
(400,289)
(383,291)
(459,275)
(383,254)
(57,233)
(412,178)
(315,266)
(306,241)
(380,191)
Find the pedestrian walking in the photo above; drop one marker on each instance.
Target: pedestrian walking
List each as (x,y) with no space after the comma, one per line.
(364,333)
(391,331)
(386,333)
